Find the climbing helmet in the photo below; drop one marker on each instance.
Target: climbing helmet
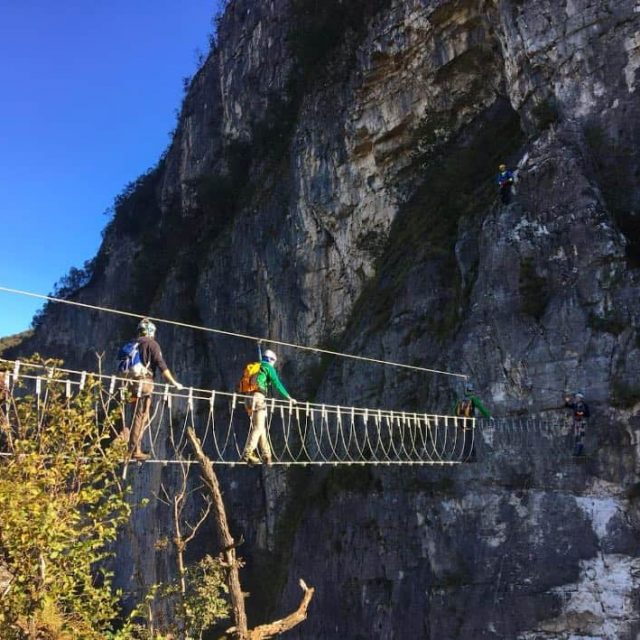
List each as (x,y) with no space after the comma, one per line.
(146,328)
(269,356)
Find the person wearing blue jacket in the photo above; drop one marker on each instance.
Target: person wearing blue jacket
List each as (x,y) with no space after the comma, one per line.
(505,183)
(256,406)
(580,415)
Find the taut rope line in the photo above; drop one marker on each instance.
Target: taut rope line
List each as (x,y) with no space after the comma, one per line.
(243,336)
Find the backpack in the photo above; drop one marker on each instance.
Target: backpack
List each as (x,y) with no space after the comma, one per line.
(464,408)
(129,360)
(580,410)
(249,381)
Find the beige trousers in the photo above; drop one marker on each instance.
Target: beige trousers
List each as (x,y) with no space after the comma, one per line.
(257,438)
(141,415)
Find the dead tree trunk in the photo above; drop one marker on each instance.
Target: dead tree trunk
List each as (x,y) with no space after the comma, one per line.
(277,627)
(233,564)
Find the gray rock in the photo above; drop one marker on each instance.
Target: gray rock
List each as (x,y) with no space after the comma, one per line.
(375,229)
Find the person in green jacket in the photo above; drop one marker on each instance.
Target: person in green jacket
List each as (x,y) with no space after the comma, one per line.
(466,406)
(256,407)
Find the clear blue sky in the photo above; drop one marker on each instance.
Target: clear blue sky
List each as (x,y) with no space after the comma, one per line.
(88,95)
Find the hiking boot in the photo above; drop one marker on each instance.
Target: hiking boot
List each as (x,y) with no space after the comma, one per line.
(267,462)
(250,459)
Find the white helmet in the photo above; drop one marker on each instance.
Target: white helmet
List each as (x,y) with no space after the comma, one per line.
(146,328)
(269,356)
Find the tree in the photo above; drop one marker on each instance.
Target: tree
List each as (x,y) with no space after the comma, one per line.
(199,589)
(62,504)
(232,563)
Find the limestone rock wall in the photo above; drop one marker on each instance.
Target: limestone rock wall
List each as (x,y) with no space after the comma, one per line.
(353,205)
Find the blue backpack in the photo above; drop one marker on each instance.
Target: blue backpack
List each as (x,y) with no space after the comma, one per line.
(129,360)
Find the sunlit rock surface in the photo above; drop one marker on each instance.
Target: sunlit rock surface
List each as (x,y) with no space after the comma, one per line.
(352,204)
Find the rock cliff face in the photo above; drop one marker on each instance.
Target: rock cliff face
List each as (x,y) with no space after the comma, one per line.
(330,182)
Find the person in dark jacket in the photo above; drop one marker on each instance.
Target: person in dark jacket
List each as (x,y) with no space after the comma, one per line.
(152,360)
(257,409)
(505,183)
(580,415)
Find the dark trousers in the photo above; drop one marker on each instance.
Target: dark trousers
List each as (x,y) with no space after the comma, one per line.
(579,428)
(505,193)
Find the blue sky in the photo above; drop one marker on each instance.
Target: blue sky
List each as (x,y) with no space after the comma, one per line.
(88,95)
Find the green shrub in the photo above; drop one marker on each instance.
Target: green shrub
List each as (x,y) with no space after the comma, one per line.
(62,505)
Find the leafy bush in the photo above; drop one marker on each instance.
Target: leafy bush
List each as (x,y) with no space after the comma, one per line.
(62,505)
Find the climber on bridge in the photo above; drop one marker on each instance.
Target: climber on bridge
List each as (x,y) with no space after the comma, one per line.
(257,379)
(139,360)
(580,414)
(466,406)
(505,183)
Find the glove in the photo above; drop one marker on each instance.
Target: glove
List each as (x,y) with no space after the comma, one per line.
(179,386)
(293,401)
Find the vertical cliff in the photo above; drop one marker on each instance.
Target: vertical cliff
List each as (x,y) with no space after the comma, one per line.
(330,182)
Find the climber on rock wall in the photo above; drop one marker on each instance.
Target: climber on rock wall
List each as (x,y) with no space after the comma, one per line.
(580,414)
(505,183)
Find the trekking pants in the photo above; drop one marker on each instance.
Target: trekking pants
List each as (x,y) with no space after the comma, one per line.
(257,410)
(579,428)
(141,414)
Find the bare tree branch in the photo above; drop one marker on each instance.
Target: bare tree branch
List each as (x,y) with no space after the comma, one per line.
(285,624)
(194,528)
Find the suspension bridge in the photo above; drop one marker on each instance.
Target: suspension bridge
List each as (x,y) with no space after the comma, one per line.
(307,433)
(299,434)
